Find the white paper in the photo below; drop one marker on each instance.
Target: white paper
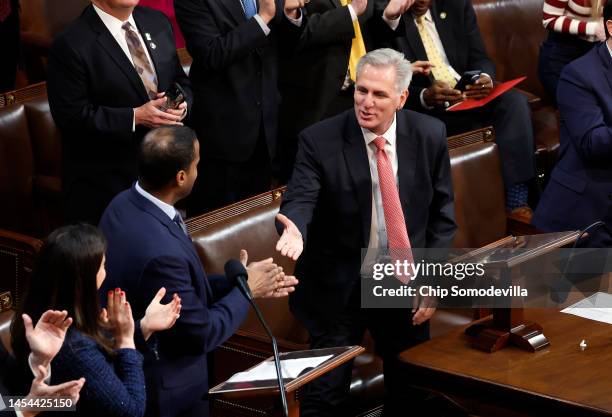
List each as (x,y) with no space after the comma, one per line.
(597,307)
(266,371)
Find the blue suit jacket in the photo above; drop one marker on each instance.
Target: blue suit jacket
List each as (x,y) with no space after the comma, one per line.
(146,251)
(580,189)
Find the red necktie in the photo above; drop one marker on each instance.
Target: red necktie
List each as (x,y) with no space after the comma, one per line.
(5,9)
(397,235)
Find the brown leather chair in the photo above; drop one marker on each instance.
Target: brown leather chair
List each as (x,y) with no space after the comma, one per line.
(17,255)
(512,32)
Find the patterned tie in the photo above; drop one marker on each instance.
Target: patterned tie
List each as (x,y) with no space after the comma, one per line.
(440,69)
(357,47)
(141,62)
(180,223)
(249,7)
(5,9)
(397,235)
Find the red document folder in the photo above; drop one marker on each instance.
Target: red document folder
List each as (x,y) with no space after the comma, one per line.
(498,90)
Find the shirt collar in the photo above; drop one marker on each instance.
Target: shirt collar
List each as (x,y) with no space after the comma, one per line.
(426,16)
(609,50)
(389,135)
(112,23)
(165,207)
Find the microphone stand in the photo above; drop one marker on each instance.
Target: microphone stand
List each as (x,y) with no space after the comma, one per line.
(281,385)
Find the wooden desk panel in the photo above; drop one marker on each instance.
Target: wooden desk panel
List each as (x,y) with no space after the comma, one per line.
(560,378)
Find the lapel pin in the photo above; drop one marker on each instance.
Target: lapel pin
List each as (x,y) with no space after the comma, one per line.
(152,45)
(443,15)
(148,36)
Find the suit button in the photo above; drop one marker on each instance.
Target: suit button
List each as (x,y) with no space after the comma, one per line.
(258,104)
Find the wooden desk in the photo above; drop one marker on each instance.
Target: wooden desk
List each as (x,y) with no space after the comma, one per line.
(560,380)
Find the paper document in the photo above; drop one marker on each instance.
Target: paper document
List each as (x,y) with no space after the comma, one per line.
(266,371)
(498,90)
(597,307)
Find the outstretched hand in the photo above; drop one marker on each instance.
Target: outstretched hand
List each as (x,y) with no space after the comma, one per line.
(290,243)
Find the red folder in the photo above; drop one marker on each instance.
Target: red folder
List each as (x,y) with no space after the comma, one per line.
(498,90)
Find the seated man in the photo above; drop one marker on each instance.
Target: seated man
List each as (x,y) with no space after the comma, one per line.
(344,194)
(580,189)
(149,248)
(445,32)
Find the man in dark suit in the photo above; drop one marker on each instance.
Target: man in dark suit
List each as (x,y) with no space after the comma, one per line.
(106,74)
(446,33)
(315,80)
(148,247)
(343,197)
(580,188)
(235,46)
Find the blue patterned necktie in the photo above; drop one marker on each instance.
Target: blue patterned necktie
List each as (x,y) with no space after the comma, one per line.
(180,223)
(249,7)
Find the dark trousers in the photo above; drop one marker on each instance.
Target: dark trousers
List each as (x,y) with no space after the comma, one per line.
(392,331)
(558,50)
(510,116)
(221,182)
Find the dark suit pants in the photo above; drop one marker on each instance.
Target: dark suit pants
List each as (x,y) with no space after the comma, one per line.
(392,331)
(510,116)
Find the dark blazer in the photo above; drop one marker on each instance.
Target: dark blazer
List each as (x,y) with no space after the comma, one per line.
(329,198)
(458,32)
(92,88)
(234,75)
(147,250)
(313,75)
(580,188)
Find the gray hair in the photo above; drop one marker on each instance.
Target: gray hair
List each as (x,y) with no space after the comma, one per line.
(386,57)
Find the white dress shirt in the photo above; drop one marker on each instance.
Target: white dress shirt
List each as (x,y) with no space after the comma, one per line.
(264,26)
(165,207)
(378,229)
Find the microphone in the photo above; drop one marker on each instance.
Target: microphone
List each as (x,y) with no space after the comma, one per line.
(237,274)
(561,286)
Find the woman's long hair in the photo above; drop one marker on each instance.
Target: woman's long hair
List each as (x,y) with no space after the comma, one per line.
(64,278)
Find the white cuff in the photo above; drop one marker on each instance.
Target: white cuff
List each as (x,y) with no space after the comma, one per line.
(423,100)
(134,121)
(297,22)
(352,12)
(393,23)
(262,24)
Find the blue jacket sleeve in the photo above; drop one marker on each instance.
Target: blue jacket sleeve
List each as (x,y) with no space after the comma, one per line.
(113,385)
(203,324)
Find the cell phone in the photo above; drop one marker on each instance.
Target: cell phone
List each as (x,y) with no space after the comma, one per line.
(174,96)
(468,78)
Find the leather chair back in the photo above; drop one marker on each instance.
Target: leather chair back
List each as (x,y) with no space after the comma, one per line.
(513,32)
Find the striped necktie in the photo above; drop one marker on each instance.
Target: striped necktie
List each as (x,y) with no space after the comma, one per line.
(143,66)
(250,9)
(357,47)
(440,69)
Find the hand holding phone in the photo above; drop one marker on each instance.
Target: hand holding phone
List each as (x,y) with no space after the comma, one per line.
(468,78)
(174,97)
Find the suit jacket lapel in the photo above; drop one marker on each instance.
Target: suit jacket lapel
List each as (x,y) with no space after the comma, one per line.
(356,157)
(110,45)
(413,38)
(144,28)
(406,146)
(234,8)
(445,31)
(606,60)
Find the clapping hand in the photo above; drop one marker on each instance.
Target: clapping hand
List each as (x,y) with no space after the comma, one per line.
(266,279)
(47,337)
(290,243)
(68,389)
(396,8)
(118,317)
(160,316)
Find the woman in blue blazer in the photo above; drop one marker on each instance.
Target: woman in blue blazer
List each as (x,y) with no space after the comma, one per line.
(100,345)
